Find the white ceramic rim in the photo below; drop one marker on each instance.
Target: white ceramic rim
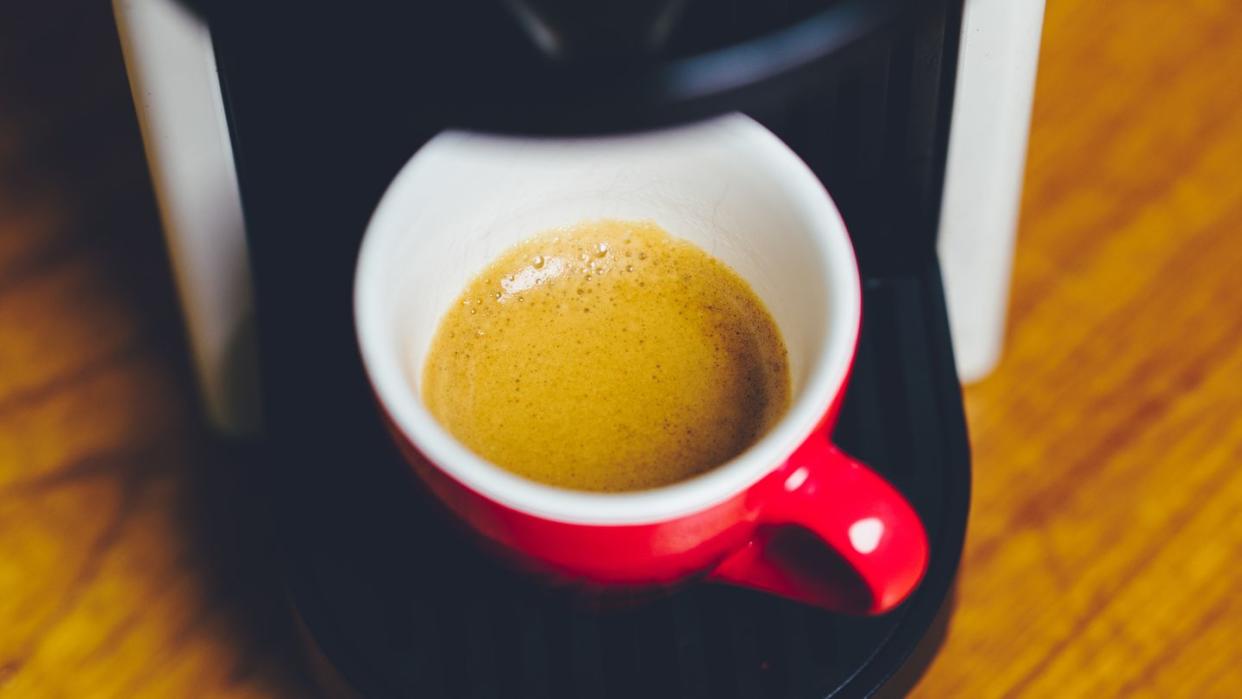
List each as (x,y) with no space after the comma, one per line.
(830,367)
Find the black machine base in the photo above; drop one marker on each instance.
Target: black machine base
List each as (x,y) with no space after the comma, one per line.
(403,604)
(324,105)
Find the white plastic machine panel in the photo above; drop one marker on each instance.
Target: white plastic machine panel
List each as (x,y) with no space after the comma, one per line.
(172,70)
(983,183)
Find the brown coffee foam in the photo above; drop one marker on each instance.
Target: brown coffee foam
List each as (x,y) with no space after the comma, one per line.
(609,356)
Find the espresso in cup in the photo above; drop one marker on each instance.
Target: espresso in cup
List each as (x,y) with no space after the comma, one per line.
(609,356)
(737,192)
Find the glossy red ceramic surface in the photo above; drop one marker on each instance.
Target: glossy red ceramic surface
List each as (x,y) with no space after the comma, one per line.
(819,528)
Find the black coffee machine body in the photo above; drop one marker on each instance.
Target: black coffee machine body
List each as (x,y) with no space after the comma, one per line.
(318,108)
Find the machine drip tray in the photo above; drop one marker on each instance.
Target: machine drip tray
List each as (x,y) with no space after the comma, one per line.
(403,604)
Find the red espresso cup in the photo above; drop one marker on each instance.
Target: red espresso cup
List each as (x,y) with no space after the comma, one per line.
(791,515)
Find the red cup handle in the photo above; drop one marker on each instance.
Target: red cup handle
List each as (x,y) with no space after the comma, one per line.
(832,533)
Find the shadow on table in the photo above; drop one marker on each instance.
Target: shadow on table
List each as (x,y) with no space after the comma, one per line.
(230,528)
(72,151)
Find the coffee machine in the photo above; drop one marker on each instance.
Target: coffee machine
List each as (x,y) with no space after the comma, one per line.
(272,129)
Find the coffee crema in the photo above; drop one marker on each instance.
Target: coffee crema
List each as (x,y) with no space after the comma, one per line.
(609,356)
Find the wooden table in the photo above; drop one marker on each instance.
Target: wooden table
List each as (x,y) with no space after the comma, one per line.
(1104,556)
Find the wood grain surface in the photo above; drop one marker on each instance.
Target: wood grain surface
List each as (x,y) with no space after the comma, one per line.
(1104,556)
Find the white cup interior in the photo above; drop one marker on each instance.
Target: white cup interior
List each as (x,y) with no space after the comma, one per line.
(727,185)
